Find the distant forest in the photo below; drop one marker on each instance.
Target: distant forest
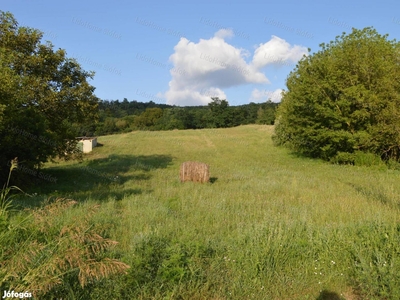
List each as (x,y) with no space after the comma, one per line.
(124,116)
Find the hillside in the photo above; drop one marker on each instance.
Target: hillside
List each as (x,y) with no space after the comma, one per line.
(271,225)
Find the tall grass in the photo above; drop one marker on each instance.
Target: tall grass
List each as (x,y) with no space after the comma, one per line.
(271,225)
(56,251)
(6,194)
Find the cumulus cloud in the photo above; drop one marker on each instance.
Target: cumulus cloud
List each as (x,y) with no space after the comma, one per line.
(224,33)
(277,52)
(202,70)
(265,95)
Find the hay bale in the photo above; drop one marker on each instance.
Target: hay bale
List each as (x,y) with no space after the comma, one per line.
(194,171)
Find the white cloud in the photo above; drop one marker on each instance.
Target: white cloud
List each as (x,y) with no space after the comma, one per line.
(224,33)
(264,95)
(277,52)
(191,97)
(202,70)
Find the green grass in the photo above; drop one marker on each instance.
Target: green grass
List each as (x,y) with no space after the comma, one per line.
(271,225)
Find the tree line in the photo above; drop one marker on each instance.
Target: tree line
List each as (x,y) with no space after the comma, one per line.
(124,116)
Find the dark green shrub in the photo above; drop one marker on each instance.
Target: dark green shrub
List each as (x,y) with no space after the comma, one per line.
(344,158)
(367,159)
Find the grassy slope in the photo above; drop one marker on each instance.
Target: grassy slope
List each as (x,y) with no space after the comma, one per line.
(277,226)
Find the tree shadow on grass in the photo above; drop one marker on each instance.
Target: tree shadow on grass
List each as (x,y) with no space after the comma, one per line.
(101,179)
(328,295)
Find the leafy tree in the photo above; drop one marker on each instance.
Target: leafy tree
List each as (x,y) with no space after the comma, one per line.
(345,98)
(149,118)
(199,118)
(266,114)
(218,112)
(42,94)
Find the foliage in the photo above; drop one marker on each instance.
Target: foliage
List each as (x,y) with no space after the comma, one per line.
(344,98)
(126,116)
(219,113)
(266,114)
(149,118)
(49,254)
(42,93)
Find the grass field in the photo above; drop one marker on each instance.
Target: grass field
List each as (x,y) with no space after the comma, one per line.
(272,225)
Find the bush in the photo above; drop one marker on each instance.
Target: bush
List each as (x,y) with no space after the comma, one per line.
(367,159)
(393,164)
(342,98)
(344,158)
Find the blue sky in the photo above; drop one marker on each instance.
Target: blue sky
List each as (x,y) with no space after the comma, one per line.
(184,52)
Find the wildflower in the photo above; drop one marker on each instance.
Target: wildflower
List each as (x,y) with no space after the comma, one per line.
(14,164)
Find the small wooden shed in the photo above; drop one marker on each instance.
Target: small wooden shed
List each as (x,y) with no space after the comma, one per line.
(86,144)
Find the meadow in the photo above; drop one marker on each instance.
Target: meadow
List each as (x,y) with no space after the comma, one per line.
(269,225)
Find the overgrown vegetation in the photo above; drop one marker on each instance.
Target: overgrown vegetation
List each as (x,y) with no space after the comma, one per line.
(271,226)
(343,99)
(49,255)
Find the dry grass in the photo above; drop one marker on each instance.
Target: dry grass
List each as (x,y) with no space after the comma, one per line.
(194,171)
(55,249)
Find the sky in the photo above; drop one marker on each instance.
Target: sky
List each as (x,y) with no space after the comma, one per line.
(185,52)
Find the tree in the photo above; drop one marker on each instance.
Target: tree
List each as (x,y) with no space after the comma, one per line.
(266,114)
(149,118)
(344,98)
(218,112)
(42,94)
